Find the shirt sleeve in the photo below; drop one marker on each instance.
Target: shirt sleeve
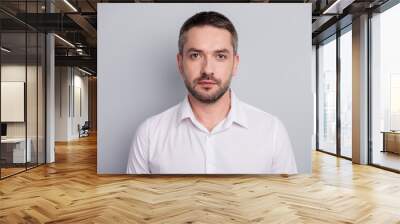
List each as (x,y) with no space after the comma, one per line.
(283,161)
(139,150)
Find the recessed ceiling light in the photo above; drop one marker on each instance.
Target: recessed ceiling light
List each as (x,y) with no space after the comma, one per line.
(5,50)
(84,71)
(70,5)
(334,7)
(64,40)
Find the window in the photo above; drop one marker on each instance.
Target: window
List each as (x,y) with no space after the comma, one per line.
(327,96)
(385,89)
(346,93)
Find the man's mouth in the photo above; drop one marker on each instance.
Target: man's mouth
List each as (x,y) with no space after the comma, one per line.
(207,82)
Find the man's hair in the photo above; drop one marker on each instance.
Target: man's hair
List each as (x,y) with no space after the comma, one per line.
(210,18)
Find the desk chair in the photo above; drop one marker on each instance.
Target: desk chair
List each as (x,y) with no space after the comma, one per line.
(84,130)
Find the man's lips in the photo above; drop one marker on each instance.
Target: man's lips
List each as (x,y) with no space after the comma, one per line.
(206,82)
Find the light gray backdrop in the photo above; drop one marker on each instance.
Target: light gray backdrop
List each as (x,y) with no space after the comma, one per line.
(138,77)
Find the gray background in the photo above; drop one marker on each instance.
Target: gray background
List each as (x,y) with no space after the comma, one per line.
(138,76)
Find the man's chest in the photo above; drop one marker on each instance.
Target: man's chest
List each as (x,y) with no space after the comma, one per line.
(236,151)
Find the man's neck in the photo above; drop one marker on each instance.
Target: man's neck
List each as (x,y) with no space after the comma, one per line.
(210,115)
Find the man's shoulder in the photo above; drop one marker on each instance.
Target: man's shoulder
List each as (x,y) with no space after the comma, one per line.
(263,121)
(255,114)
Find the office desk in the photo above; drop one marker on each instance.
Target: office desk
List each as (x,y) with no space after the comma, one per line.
(391,141)
(13,150)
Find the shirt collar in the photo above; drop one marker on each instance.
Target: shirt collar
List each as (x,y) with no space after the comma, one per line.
(236,114)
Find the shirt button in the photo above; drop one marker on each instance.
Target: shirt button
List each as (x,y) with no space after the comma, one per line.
(208,139)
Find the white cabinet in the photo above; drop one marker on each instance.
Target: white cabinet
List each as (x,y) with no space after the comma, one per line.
(18,149)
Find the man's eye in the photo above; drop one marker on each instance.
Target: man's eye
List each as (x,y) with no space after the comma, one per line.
(221,56)
(194,55)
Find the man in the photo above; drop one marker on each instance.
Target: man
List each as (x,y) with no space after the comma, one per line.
(211,131)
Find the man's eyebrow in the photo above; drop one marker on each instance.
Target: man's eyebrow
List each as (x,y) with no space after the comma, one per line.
(224,50)
(193,49)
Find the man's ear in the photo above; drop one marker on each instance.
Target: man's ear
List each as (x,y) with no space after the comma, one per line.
(235,64)
(179,62)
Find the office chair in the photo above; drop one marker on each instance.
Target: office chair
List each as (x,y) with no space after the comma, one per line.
(84,130)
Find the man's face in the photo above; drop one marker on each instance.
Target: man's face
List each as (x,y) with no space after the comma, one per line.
(207,62)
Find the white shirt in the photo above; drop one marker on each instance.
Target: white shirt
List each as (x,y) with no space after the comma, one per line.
(247,141)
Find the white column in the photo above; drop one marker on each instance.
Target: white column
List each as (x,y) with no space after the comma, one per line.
(50,100)
(50,92)
(360,90)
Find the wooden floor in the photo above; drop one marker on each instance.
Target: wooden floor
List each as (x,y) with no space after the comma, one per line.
(5,172)
(387,159)
(70,191)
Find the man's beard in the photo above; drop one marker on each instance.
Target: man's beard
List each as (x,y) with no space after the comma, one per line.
(207,98)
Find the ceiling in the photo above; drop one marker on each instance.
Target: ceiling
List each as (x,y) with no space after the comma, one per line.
(76,22)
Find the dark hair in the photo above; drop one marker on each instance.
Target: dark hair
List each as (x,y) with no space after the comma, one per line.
(210,18)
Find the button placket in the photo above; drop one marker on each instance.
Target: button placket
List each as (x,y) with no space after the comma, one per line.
(210,154)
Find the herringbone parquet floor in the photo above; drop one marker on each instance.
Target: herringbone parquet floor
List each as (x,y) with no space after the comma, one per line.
(70,191)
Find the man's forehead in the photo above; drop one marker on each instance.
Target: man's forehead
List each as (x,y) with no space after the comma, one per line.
(209,31)
(206,41)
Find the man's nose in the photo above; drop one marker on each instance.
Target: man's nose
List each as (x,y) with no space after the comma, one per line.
(207,66)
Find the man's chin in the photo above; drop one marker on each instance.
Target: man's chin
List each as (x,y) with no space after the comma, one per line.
(207,93)
(206,98)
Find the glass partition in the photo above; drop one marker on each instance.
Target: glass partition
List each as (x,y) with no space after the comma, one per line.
(327,96)
(13,111)
(22,77)
(32,95)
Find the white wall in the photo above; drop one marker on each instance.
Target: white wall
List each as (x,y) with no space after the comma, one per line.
(80,83)
(61,103)
(68,81)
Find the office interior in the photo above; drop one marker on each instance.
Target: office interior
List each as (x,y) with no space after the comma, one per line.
(49,78)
